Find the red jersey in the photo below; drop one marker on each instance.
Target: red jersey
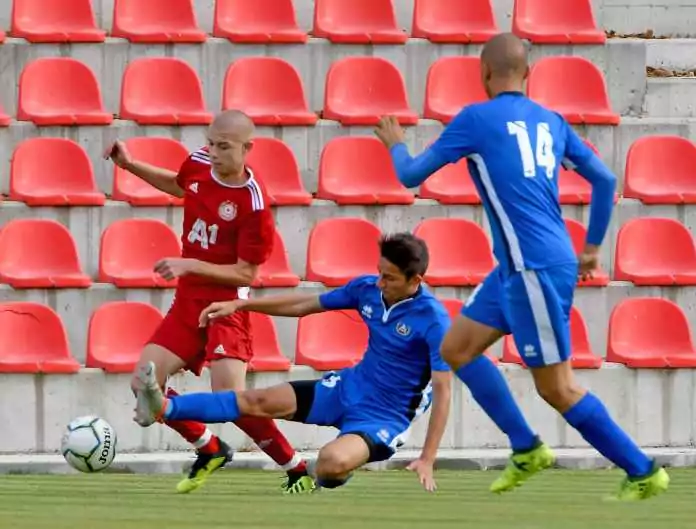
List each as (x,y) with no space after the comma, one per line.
(223,223)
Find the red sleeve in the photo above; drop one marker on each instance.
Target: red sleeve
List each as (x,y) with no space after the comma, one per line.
(256,237)
(184,172)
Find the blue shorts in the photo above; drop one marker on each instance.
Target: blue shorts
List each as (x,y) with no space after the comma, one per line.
(353,409)
(533,305)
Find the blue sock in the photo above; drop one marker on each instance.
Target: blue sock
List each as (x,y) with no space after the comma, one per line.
(490,389)
(589,417)
(203,407)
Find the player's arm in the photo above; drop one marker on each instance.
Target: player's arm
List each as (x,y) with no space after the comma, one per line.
(580,157)
(455,142)
(158,177)
(292,306)
(442,396)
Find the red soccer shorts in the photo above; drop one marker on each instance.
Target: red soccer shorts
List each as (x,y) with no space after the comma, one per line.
(228,337)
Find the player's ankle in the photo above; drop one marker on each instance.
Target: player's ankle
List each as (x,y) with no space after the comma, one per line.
(300,468)
(211,446)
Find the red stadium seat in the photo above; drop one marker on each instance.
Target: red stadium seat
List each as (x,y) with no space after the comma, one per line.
(163,91)
(453,83)
(574,87)
(340,249)
(661,170)
(655,251)
(650,332)
(359,170)
(156,21)
(74,97)
(582,355)
(55,21)
(161,152)
(69,181)
(129,250)
(269,90)
(4,118)
(360,90)
(261,21)
(39,254)
(578,234)
(331,340)
(275,165)
(573,188)
(357,22)
(445,21)
(33,340)
(566,22)
(451,185)
(276,271)
(118,332)
(455,264)
(267,354)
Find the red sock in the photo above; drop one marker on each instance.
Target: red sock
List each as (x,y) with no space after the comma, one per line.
(195,433)
(269,438)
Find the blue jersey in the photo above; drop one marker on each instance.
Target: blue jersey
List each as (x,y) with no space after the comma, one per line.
(403,347)
(514,148)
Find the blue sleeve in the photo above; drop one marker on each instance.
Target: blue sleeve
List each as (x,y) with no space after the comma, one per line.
(433,338)
(580,158)
(455,142)
(345,297)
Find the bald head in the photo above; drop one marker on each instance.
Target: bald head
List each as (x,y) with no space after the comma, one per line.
(505,55)
(234,123)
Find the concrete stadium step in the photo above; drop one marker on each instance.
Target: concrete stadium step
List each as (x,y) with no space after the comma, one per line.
(672,97)
(76,306)
(622,61)
(451,459)
(86,224)
(307,143)
(655,406)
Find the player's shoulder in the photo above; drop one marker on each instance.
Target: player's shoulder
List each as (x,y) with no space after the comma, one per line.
(431,309)
(364,282)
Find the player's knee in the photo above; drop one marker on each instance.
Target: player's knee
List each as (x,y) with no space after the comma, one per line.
(457,351)
(561,395)
(333,465)
(252,402)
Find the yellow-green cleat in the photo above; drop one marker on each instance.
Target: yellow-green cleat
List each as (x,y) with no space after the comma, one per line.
(522,466)
(203,467)
(299,484)
(635,489)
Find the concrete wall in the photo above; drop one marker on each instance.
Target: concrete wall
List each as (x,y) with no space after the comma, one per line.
(655,406)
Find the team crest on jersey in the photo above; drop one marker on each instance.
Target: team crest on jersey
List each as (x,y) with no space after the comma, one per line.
(402,329)
(227,210)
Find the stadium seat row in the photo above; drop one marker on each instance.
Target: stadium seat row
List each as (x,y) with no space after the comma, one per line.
(168,91)
(352,170)
(340,21)
(649,251)
(643,333)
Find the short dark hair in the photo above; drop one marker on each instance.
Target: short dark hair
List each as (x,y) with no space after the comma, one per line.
(405,251)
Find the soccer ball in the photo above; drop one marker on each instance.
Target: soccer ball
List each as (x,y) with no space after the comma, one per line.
(89,444)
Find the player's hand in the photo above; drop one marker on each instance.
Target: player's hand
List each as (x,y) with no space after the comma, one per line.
(118,153)
(424,469)
(588,261)
(171,268)
(219,309)
(389,131)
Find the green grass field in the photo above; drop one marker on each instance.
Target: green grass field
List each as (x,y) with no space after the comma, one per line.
(380,500)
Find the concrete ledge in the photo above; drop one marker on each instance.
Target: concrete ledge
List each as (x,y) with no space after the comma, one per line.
(492,459)
(671,97)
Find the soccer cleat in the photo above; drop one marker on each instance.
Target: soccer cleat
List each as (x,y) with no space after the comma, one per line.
(150,399)
(298,483)
(635,489)
(523,466)
(204,466)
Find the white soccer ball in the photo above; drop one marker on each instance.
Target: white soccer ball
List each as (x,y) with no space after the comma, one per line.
(89,444)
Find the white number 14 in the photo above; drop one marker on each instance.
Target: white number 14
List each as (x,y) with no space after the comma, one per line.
(544,156)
